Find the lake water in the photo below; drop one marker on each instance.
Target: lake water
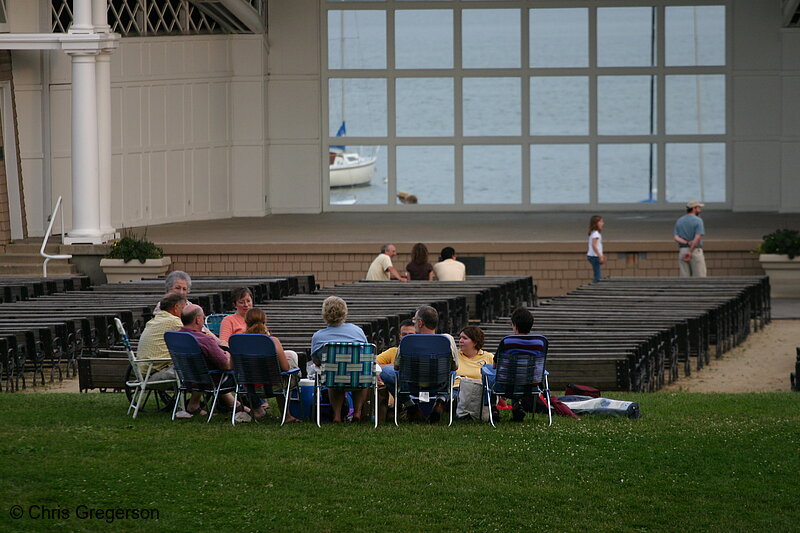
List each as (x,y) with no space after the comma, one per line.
(536,120)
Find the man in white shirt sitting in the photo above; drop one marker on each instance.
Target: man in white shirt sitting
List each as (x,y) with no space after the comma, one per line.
(381,268)
(449,269)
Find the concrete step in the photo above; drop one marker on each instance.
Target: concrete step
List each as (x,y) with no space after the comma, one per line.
(53,269)
(25,259)
(32,247)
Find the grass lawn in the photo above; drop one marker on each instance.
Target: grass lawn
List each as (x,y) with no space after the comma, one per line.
(692,462)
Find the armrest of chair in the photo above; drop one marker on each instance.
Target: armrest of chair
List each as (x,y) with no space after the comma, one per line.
(290,372)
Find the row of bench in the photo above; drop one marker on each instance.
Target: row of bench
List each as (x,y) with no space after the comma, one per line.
(51,331)
(636,334)
(377,307)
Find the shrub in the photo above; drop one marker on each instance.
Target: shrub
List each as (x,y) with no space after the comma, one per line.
(781,242)
(132,247)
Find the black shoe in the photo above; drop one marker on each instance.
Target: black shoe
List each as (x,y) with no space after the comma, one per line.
(436,412)
(413,414)
(518,413)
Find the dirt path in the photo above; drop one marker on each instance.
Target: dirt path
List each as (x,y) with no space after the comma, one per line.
(761,363)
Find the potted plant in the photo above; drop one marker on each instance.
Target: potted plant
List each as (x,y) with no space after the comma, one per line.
(779,255)
(133,258)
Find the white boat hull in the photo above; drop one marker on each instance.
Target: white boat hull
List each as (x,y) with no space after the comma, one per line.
(350,169)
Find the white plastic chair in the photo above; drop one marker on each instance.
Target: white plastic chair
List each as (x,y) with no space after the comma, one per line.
(142,371)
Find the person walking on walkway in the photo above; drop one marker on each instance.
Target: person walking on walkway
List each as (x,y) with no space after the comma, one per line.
(689,231)
(595,252)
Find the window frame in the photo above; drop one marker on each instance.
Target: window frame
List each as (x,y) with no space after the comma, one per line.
(660,139)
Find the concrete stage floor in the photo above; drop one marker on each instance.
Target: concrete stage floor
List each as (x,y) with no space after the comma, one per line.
(464,227)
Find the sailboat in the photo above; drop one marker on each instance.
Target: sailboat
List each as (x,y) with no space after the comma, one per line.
(348,169)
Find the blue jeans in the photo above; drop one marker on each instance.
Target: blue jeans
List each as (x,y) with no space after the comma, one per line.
(389,377)
(595,262)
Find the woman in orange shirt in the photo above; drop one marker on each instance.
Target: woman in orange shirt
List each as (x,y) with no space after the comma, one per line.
(235,323)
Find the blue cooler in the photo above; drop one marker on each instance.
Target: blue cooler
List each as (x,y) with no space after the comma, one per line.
(307,396)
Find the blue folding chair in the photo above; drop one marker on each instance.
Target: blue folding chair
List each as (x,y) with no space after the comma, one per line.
(519,366)
(425,372)
(192,369)
(213,323)
(255,363)
(346,365)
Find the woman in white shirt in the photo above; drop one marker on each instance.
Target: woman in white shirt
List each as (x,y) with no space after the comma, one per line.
(595,252)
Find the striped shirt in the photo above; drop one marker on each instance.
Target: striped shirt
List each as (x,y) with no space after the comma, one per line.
(151,342)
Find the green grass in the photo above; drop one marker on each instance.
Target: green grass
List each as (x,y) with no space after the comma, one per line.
(693,462)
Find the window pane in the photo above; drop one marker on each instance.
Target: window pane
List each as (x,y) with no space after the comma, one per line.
(424,107)
(560,174)
(625,36)
(423,38)
(626,105)
(560,105)
(492,106)
(363,108)
(490,38)
(357,164)
(356,39)
(427,172)
(695,171)
(492,175)
(559,37)
(695,104)
(695,35)
(626,173)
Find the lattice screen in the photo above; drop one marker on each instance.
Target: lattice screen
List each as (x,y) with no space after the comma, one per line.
(132,18)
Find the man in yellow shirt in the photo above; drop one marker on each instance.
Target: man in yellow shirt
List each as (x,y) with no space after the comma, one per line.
(151,341)
(386,358)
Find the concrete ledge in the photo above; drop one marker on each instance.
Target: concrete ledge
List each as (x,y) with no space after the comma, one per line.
(465,248)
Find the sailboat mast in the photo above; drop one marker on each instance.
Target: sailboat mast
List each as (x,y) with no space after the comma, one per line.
(341,58)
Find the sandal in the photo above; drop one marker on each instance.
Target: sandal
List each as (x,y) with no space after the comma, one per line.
(197,411)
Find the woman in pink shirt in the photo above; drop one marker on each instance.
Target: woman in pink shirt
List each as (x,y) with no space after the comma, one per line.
(235,323)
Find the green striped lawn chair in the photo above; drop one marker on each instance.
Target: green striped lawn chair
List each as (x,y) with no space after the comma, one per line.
(346,365)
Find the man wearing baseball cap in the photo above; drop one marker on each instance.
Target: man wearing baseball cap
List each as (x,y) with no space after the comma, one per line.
(688,234)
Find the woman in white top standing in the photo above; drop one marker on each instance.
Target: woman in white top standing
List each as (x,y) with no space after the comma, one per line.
(595,253)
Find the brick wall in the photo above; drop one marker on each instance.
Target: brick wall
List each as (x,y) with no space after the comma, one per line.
(556,267)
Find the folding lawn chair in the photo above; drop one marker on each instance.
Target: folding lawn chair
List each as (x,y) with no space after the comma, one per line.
(255,363)
(142,385)
(424,374)
(193,372)
(520,372)
(347,365)
(213,323)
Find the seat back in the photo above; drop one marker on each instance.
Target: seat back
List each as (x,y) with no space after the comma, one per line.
(255,360)
(520,365)
(213,322)
(187,356)
(348,365)
(129,349)
(424,363)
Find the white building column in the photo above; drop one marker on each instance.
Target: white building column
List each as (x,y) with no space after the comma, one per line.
(81,17)
(85,167)
(103,73)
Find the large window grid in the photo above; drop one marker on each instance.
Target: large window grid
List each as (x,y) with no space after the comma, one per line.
(583,150)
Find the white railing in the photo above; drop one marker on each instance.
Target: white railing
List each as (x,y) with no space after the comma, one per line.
(48,257)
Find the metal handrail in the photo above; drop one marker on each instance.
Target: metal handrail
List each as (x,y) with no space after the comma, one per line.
(48,257)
